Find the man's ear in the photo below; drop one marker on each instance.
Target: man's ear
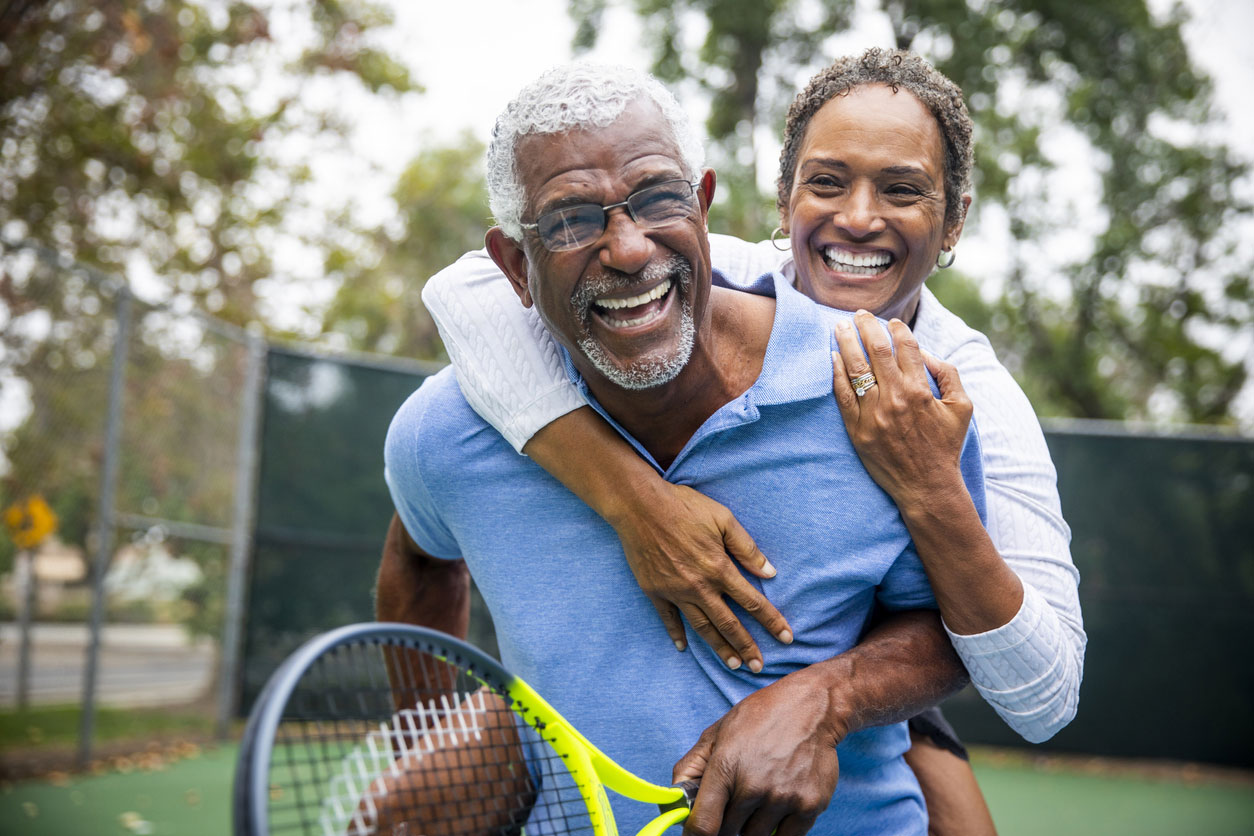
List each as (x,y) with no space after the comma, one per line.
(510,257)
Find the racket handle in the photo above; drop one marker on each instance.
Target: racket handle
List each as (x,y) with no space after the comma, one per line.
(690,795)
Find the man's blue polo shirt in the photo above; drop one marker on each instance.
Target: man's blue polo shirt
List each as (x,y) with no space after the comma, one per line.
(571,619)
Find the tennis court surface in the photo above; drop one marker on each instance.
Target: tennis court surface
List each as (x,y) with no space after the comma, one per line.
(191,797)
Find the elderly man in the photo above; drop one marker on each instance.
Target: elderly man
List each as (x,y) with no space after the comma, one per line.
(727,392)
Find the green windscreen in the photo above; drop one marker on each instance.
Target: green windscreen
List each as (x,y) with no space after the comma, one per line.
(1163,535)
(322,505)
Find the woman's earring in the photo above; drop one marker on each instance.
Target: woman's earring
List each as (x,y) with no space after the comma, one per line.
(953,256)
(779,230)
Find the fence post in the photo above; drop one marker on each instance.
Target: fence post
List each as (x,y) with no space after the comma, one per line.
(241,533)
(26,596)
(105,520)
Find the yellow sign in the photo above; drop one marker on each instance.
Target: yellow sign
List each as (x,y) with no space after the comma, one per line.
(30,522)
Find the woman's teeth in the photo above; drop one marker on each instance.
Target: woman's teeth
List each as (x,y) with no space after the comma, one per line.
(861,264)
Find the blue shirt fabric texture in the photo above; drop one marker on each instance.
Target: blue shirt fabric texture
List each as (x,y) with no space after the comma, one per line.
(571,619)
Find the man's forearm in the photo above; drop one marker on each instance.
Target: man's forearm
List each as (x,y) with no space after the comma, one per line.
(903,665)
(416,588)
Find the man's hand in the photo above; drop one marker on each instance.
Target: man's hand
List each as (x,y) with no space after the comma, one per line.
(679,551)
(769,765)
(770,762)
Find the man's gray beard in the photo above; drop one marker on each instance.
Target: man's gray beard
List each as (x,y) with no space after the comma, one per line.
(650,371)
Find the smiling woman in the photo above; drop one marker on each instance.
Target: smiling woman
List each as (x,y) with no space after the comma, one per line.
(866,207)
(873,188)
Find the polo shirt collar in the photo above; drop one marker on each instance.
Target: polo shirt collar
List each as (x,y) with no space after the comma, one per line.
(798,361)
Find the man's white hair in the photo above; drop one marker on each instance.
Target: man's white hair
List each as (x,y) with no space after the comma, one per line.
(570,97)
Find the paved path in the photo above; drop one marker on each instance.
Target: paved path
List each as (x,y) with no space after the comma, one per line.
(140,665)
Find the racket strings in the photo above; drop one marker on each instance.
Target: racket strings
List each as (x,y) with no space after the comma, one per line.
(452,760)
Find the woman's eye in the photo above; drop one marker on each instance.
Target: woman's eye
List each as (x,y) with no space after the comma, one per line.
(824,181)
(904,190)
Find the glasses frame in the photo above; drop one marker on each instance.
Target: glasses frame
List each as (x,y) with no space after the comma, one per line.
(605,214)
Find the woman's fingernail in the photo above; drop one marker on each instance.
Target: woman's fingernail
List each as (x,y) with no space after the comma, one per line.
(862,312)
(785,636)
(733,662)
(768,569)
(755,665)
(842,324)
(680,646)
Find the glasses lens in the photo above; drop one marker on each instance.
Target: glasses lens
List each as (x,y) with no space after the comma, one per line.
(571,227)
(665,203)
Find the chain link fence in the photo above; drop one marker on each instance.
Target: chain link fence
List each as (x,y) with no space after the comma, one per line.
(133,424)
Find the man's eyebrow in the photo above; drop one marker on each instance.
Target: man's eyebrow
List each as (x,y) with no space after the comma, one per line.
(566,202)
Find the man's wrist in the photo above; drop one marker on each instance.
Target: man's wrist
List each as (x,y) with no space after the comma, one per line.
(832,682)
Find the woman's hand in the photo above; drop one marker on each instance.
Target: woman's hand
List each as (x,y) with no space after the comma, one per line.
(911,443)
(678,544)
(909,440)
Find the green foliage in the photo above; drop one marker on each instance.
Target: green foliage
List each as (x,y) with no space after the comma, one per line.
(157,140)
(1131,324)
(442,200)
(1130,329)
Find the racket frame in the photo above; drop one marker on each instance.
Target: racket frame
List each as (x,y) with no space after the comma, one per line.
(591,769)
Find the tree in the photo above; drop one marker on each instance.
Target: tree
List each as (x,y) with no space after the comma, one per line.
(443,212)
(157,140)
(142,132)
(1131,326)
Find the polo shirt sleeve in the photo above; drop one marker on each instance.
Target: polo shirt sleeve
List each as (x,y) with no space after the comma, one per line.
(416,503)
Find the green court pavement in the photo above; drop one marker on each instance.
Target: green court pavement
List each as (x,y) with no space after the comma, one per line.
(1033,801)
(191,797)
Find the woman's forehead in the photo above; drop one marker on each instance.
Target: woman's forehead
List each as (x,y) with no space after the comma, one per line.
(873,120)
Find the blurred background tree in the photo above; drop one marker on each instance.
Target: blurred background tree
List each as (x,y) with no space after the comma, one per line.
(1124,308)
(442,204)
(167,142)
(138,138)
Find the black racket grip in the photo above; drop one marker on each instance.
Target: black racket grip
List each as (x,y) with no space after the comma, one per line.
(690,795)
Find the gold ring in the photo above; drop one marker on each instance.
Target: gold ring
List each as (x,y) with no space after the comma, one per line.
(862,383)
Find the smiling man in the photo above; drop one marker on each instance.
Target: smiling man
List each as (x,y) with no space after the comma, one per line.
(601,203)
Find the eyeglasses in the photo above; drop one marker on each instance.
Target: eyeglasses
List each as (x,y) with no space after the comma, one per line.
(572,227)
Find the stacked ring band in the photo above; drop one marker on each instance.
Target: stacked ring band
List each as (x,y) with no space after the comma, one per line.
(862,383)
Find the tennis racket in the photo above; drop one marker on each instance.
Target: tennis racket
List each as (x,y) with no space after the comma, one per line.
(397,730)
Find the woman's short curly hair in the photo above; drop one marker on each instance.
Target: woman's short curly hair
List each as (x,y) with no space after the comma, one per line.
(579,96)
(899,69)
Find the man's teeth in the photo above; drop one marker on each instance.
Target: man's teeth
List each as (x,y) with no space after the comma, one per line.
(864,263)
(634,301)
